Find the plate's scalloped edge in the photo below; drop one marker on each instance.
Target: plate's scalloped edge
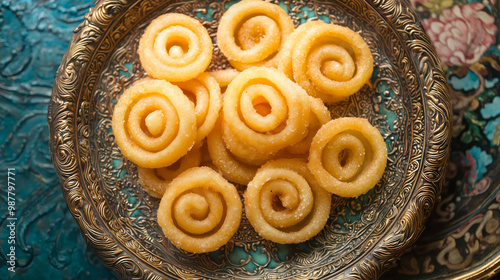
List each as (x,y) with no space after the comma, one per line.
(483,272)
(436,151)
(410,224)
(62,133)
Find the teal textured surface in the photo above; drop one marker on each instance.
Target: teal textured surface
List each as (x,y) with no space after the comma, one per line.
(48,245)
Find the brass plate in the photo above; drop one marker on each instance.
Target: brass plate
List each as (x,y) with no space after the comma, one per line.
(407,100)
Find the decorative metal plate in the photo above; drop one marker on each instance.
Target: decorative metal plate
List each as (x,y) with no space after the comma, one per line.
(407,100)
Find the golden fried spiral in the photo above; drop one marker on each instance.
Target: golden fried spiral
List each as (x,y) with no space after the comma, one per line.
(154,123)
(230,166)
(319,116)
(329,61)
(263,111)
(242,150)
(348,156)
(175,47)
(156,180)
(204,92)
(285,204)
(224,77)
(252,32)
(200,211)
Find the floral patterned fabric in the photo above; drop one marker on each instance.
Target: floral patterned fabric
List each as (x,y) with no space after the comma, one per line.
(461,33)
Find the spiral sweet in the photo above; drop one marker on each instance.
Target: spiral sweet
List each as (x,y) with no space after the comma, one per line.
(348,156)
(224,77)
(200,211)
(286,55)
(229,165)
(264,111)
(154,123)
(319,116)
(252,32)
(175,47)
(156,180)
(329,61)
(241,150)
(285,204)
(204,92)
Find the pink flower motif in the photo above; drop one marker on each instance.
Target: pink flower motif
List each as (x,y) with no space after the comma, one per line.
(480,187)
(470,174)
(461,34)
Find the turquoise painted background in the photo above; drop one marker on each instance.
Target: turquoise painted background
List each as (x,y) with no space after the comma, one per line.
(33,38)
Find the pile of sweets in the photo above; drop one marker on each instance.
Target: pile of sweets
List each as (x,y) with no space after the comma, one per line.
(270,131)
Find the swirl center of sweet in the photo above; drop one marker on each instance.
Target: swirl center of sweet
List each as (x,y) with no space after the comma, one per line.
(285,196)
(261,106)
(344,156)
(198,212)
(155,123)
(256,30)
(176,45)
(176,51)
(332,69)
